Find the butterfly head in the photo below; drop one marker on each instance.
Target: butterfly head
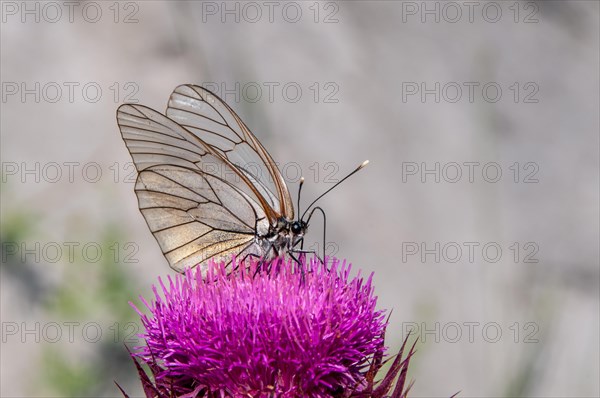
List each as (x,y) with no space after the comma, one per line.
(287,233)
(295,228)
(298,228)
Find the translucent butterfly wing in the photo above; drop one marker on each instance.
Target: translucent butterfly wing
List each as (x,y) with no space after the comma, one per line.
(193,212)
(208,117)
(189,215)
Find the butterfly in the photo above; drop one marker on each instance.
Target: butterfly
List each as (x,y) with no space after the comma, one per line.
(206,186)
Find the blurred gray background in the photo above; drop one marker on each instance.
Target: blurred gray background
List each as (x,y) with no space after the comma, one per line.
(497,274)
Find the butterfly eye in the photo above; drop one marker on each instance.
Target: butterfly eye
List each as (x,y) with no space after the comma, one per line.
(296,227)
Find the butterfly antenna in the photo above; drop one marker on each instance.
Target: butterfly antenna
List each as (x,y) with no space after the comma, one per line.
(299,191)
(363,164)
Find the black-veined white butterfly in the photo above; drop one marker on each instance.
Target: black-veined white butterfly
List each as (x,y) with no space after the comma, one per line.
(206,186)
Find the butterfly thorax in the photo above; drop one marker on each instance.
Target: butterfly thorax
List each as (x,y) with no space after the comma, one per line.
(282,237)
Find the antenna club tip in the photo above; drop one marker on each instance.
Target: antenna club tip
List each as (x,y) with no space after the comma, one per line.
(301,180)
(363,164)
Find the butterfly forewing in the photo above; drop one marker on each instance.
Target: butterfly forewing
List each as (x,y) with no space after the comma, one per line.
(194,212)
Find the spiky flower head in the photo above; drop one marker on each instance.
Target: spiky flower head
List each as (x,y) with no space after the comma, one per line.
(280,329)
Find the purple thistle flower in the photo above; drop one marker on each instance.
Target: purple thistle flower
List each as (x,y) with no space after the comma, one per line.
(254,333)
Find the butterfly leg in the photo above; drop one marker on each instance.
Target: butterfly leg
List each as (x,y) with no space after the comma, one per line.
(303,252)
(259,261)
(262,261)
